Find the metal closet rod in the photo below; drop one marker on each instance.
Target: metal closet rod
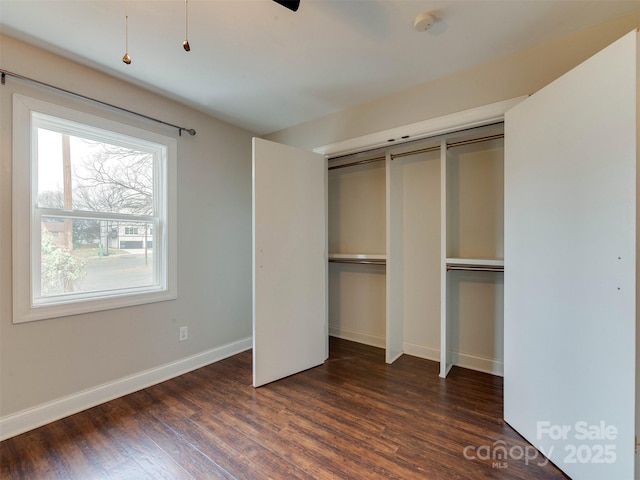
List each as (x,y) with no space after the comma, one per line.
(475,140)
(359,261)
(357,162)
(449,145)
(190,131)
(421,150)
(476,268)
(415,152)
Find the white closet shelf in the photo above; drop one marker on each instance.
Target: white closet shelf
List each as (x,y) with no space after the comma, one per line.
(498,262)
(479,264)
(366,258)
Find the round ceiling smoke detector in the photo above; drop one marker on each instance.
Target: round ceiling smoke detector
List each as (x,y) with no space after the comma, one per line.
(423,22)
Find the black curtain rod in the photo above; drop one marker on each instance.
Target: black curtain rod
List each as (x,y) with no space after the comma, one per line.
(190,131)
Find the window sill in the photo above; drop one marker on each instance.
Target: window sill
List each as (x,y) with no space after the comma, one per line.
(96,304)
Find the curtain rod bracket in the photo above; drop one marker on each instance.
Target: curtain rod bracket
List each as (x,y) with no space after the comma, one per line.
(190,131)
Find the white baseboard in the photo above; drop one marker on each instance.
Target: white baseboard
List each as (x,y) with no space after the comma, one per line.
(481,364)
(472,362)
(359,337)
(421,351)
(464,360)
(20,422)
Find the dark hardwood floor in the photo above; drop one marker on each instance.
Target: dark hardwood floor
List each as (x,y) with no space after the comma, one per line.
(355,417)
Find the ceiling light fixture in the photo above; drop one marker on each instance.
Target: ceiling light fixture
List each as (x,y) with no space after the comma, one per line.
(126,58)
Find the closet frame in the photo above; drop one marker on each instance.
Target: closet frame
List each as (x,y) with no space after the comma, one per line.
(371,148)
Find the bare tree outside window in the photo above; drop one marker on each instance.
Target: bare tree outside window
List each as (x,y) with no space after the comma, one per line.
(114,179)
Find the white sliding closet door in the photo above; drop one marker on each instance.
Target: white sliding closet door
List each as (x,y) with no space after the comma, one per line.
(289,261)
(570,266)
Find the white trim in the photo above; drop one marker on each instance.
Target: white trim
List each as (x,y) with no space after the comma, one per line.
(480,364)
(20,422)
(359,337)
(420,351)
(445,357)
(463,360)
(473,117)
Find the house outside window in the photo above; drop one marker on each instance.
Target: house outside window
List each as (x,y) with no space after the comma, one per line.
(95,202)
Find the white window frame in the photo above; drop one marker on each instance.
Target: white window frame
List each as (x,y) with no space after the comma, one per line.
(26,223)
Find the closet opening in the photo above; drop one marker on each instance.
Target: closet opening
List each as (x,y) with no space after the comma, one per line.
(416,248)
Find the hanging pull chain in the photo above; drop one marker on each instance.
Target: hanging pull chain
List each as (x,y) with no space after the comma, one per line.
(185,44)
(126,58)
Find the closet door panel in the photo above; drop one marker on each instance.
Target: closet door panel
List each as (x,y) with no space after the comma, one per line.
(570,273)
(289,261)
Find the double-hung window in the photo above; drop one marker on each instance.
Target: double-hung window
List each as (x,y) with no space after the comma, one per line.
(94,212)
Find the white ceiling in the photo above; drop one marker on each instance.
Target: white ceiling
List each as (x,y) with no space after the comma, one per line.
(260,66)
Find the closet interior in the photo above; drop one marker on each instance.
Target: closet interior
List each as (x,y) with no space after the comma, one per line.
(416,248)
(357,248)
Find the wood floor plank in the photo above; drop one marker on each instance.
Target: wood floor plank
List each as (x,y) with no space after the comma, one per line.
(261,461)
(354,426)
(33,446)
(180,449)
(153,462)
(356,455)
(69,452)
(90,430)
(285,445)
(355,417)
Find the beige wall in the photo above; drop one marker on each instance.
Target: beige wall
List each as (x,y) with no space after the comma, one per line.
(47,360)
(520,74)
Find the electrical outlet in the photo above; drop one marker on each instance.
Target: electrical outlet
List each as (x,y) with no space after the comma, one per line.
(184,334)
